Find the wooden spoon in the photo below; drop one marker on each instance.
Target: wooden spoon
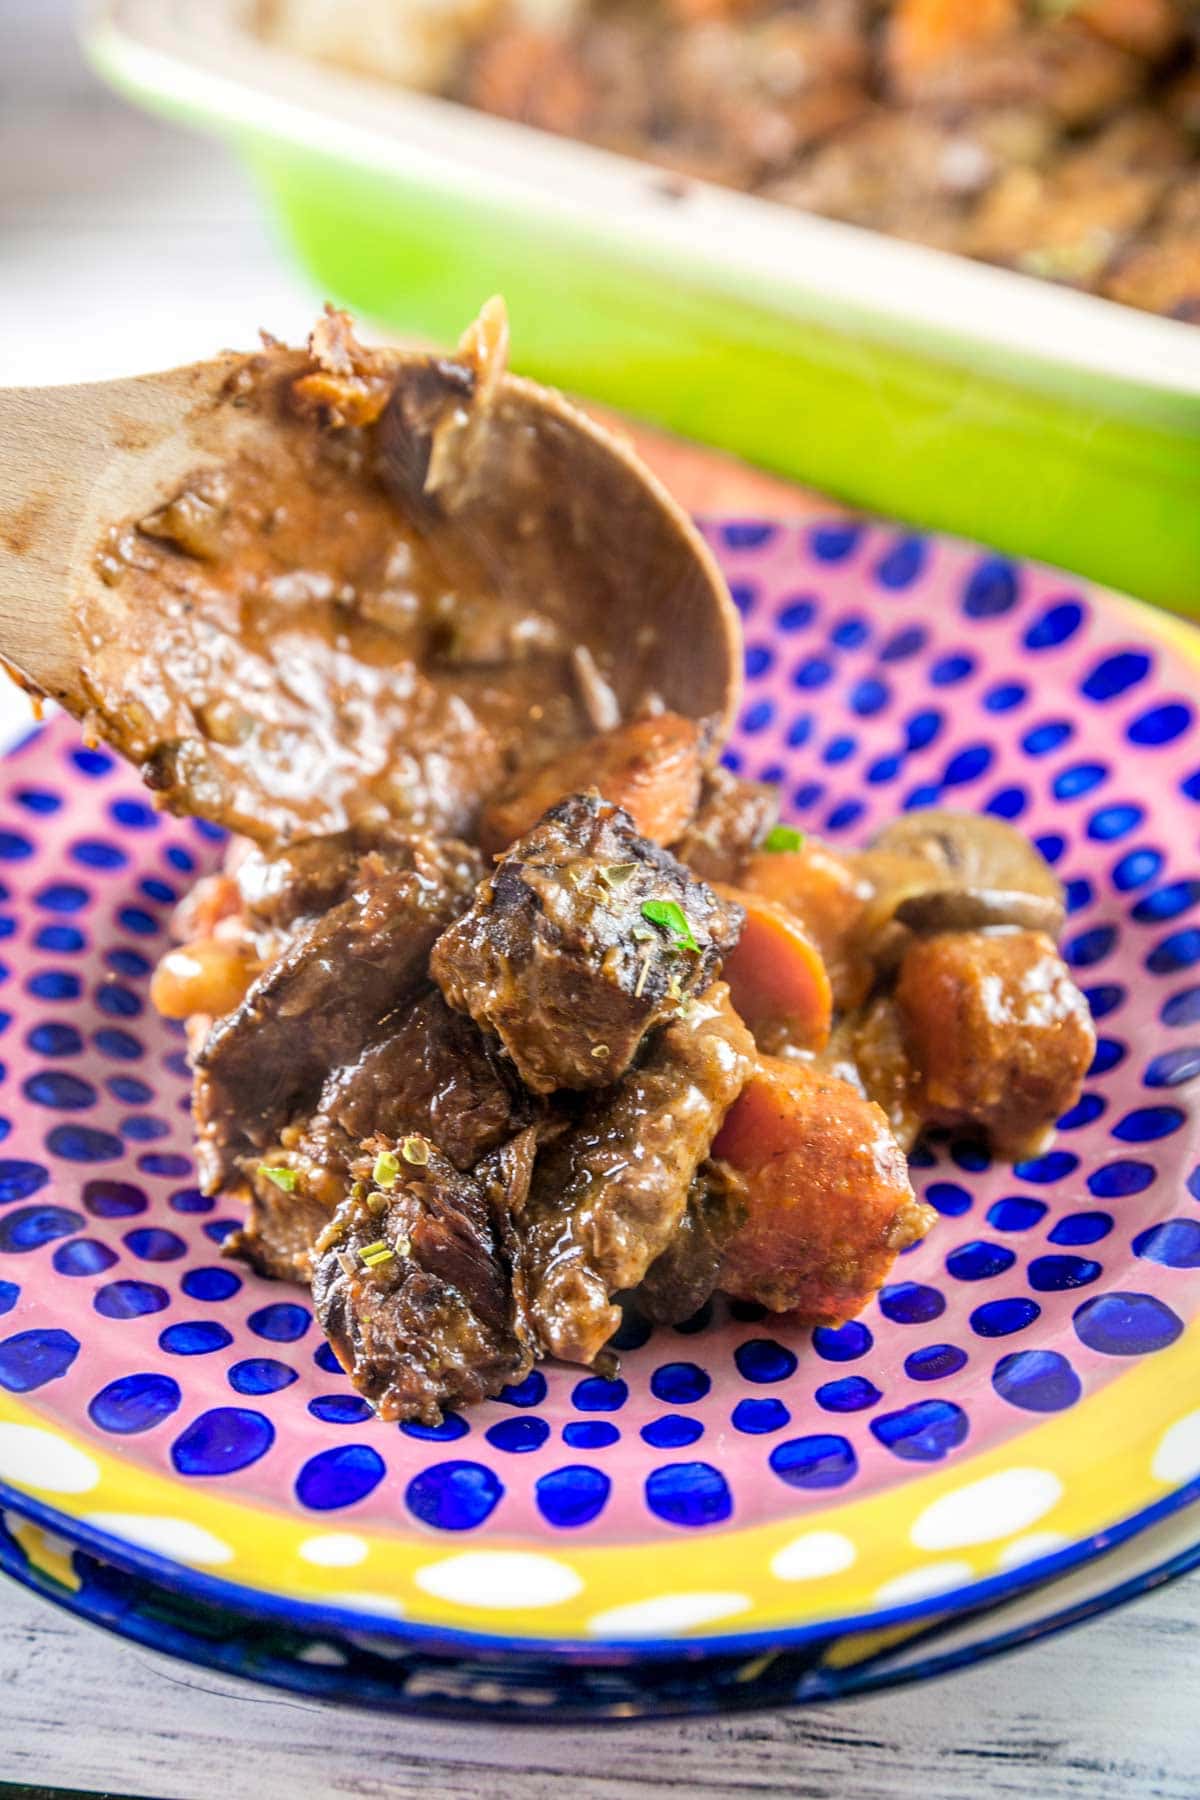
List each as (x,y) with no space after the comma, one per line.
(102,615)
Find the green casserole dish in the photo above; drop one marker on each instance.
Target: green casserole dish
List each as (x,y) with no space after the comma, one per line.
(899,379)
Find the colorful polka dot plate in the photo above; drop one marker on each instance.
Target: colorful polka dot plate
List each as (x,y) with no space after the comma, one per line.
(1025,1390)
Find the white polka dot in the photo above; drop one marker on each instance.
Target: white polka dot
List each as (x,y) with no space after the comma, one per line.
(1178,1455)
(499,1579)
(815,1554)
(360,1601)
(334,1550)
(984,1510)
(323,1655)
(1030,1547)
(666,1613)
(34,1458)
(177,1538)
(934,1578)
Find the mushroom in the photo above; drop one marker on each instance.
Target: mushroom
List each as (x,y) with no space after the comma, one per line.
(958,871)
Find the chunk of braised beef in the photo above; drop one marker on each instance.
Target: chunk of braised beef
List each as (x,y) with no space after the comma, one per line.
(731,821)
(282,1223)
(584,938)
(684,1275)
(316,1005)
(609,1194)
(412,1289)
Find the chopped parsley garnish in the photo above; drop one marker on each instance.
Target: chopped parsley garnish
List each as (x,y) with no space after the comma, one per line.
(386,1170)
(670,917)
(374,1254)
(783,837)
(287,1179)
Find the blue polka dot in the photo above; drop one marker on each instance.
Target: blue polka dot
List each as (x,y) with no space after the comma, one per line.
(1000,1318)
(590,1434)
(573,1496)
(799,731)
(595,1394)
(194,1337)
(1108,1054)
(53,1087)
(37,800)
(142,1129)
(32,1226)
(221,1441)
(758,716)
(948,1198)
(92,762)
(1041,739)
(83,1256)
(842,1343)
(219,1229)
(1161,725)
(991,589)
(111,1041)
(283,1322)
(757,1417)
(1180,950)
(180,859)
(106,1199)
(1016,1213)
(452,1426)
(1078,894)
(1050,846)
(14,847)
(851,1393)
(1182,1008)
(1009,803)
(979,1261)
(905,643)
(1126,1324)
(530,1392)
(62,896)
(130,1299)
(54,984)
(1166,903)
(1173,1067)
(19,1179)
(32,1359)
(164,1162)
(1086,1110)
(135,1403)
(95,853)
(1054,626)
(260,1375)
(808,795)
(1104,999)
(1055,1274)
(1135,868)
(60,938)
(850,633)
(120,1002)
(83,1143)
(519,1435)
(795,615)
(340,1409)
(55,1040)
(934,1362)
(759,658)
(927,1431)
(1054,1166)
(1037,1381)
(325,1359)
(869,697)
(190,1200)
(838,749)
(951,669)
(1005,696)
(1110,822)
(1082,1228)
(1174,1244)
(151,1243)
(901,565)
(1079,779)
(968,765)
(813,673)
(1115,1180)
(1147,1124)
(691,1494)
(210,1284)
(1115,675)
(823,1460)
(910,1303)
(672,1431)
(450,1496)
(922,728)
(10,1293)
(884,768)
(680,1383)
(764,1360)
(833,543)
(842,817)
(744,595)
(135,815)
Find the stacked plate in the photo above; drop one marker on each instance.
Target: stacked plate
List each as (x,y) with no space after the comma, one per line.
(751,1513)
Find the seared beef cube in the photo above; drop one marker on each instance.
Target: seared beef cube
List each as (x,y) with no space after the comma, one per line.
(997,1033)
(319,1001)
(733,818)
(609,1195)
(432,1073)
(285,1216)
(411,1286)
(680,1280)
(584,938)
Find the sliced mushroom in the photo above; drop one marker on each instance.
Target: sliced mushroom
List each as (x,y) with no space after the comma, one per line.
(959,871)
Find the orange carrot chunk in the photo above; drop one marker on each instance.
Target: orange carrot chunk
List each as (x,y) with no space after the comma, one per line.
(777,980)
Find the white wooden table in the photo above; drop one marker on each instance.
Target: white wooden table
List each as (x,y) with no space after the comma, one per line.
(124,246)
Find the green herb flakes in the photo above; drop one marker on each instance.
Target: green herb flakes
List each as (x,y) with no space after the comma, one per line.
(416,1151)
(386,1170)
(783,837)
(287,1179)
(670,917)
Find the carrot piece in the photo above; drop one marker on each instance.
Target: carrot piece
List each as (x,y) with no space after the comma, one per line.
(925,35)
(825,893)
(824,1186)
(777,980)
(651,767)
